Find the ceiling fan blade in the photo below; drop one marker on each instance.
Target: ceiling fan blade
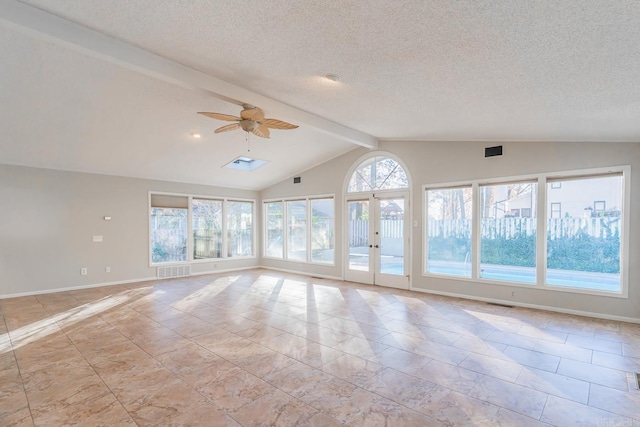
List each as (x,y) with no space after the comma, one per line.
(219,116)
(277,124)
(255,114)
(261,131)
(226,128)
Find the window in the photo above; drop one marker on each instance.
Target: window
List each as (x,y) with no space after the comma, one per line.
(274,233)
(297,230)
(168,225)
(309,234)
(507,243)
(207,228)
(322,230)
(583,247)
(579,244)
(378,173)
(449,225)
(213,235)
(240,229)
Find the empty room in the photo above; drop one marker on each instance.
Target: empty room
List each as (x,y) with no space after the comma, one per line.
(319,213)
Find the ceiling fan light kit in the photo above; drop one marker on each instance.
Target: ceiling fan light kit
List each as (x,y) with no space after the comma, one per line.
(251,120)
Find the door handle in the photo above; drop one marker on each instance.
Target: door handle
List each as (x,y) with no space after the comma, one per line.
(370,246)
(377,246)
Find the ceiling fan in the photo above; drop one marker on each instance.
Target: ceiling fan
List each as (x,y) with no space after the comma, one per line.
(251,120)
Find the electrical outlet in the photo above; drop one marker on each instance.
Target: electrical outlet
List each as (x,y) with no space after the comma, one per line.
(513,293)
(107,269)
(83,271)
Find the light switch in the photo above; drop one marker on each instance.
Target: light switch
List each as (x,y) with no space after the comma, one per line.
(97,238)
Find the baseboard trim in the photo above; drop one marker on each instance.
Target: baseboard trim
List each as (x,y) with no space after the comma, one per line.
(75,288)
(302,273)
(534,306)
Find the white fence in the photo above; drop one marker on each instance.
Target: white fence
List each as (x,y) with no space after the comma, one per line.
(557,228)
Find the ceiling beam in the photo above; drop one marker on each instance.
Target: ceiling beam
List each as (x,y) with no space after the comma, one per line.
(61,31)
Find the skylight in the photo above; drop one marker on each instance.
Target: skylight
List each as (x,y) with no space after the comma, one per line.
(245,163)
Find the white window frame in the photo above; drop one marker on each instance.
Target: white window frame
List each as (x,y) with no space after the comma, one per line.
(285,228)
(541,239)
(425,228)
(190,242)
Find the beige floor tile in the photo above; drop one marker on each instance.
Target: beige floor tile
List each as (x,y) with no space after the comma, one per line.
(517,398)
(340,399)
(613,361)
(566,351)
(453,408)
(259,347)
(513,339)
(565,413)
(399,387)
(314,354)
(390,414)
(557,385)
(625,403)
(97,410)
(533,359)
(274,408)
(353,369)
(507,418)
(234,389)
(593,373)
(262,365)
(453,377)
(543,334)
(14,407)
(498,368)
(606,346)
(401,360)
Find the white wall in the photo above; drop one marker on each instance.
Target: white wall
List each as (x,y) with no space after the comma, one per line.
(441,162)
(48,218)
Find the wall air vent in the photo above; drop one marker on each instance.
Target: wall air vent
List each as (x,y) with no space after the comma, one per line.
(174,271)
(493,151)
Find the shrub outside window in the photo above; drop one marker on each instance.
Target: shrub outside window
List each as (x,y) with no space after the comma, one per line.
(584,245)
(507,240)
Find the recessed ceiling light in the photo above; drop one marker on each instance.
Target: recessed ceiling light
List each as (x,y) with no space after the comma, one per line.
(196,135)
(332,77)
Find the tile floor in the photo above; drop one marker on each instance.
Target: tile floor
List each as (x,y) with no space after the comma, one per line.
(264,348)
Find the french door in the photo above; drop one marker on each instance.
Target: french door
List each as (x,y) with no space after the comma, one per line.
(378,239)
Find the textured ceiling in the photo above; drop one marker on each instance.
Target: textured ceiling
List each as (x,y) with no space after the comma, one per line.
(416,70)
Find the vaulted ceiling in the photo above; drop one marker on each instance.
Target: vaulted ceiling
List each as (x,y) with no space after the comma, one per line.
(112,86)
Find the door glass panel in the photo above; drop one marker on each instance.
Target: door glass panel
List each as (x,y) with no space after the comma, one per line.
(359,235)
(392,236)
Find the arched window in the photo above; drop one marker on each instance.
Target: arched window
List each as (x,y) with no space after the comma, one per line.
(378,173)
